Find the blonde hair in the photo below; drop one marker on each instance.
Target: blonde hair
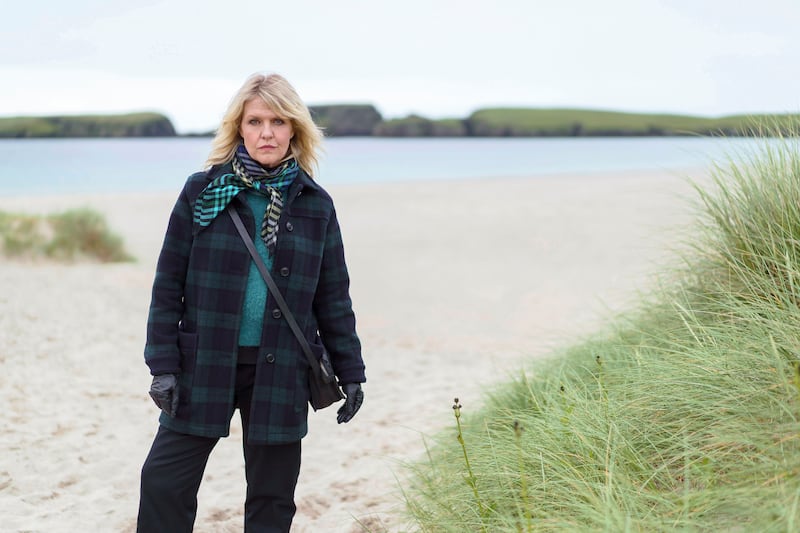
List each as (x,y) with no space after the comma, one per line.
(283,100)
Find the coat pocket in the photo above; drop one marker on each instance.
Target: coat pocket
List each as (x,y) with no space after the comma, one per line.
(187,346)
(306,224)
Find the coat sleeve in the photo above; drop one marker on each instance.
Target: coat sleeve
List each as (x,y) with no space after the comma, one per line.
(334,310)
(166,306)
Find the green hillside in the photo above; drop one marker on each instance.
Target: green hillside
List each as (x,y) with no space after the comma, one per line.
(523,122)
(129,125)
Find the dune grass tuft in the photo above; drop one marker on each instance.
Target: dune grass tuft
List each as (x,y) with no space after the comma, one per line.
(77,234)
(681,416)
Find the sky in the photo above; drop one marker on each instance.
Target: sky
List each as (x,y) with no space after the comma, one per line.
(435,58)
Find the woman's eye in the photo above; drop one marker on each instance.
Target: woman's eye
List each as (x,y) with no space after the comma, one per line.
(254,122)
(278,121)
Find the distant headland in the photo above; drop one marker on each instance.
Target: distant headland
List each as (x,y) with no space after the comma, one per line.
(128,125)
(349,120)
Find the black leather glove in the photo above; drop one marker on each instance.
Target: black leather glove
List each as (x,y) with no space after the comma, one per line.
(164,391)
(355,397)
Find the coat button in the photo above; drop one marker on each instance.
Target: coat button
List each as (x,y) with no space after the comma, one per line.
(285,271)
(270,358)
(289,226)
(276,313)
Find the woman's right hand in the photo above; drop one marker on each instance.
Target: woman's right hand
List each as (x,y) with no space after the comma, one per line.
(164,392)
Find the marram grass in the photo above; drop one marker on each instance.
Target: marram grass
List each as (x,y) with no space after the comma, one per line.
(77,234)
(682,416)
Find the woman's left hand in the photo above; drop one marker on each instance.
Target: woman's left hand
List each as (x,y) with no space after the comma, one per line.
(355,397)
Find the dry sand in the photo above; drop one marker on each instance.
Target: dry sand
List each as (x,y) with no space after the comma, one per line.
(455,284)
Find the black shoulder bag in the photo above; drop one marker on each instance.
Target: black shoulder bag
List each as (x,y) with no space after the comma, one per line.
(321,382)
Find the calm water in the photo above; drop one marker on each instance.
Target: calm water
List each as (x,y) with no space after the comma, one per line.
(57,166)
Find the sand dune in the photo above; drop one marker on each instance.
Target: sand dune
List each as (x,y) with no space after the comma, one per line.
(454,284)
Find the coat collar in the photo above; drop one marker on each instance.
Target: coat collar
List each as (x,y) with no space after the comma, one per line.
(305,180)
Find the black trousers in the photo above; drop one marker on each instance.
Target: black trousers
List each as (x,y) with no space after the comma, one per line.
(174,467)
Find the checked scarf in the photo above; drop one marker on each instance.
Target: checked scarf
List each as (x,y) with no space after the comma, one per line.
(248,174)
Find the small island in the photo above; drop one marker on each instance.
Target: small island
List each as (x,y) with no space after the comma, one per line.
(347,120)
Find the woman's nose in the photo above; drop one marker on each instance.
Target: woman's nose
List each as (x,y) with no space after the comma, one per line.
(266,131)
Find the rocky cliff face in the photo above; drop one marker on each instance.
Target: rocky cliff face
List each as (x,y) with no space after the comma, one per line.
(346,120)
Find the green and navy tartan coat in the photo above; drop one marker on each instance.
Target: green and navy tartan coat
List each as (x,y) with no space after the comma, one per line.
(199,287)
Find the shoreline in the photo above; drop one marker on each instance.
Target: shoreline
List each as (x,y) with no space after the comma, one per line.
(455,284)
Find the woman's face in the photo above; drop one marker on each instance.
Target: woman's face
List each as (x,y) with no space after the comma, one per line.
(266,135)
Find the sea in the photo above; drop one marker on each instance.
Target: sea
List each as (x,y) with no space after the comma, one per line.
(65,166)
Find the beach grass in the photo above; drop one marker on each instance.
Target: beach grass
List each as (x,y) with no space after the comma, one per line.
(681,415)
(77,234)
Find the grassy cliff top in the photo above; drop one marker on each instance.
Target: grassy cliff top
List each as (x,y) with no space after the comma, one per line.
(126,125)
(568,121)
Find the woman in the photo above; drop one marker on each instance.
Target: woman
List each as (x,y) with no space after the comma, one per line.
(216,340)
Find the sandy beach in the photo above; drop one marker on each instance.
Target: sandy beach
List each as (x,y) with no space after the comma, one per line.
(454,283)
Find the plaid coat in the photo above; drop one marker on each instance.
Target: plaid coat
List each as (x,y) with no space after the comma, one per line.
(195,312)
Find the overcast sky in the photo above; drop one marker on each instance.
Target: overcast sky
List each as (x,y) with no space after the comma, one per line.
(435,58)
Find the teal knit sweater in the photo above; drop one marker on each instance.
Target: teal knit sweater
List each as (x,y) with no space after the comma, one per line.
(255,297)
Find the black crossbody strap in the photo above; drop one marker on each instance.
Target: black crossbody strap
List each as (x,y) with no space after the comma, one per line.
(274,292)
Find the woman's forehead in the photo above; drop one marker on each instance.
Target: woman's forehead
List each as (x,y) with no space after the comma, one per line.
(257,106)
